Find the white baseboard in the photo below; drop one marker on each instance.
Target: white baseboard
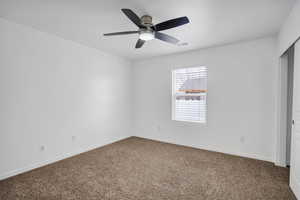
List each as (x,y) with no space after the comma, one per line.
(52,160)
(295,187)
(280,164)
(209,148)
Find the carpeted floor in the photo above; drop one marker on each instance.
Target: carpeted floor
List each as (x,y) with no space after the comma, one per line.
(140,169)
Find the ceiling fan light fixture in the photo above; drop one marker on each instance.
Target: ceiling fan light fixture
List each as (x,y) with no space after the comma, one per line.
(146,35)
(149,31)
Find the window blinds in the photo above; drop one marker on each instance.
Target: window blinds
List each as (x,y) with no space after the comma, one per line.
(190,94)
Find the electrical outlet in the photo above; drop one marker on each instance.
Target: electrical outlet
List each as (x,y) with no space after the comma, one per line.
(73,138)
(158,128)
(42,148)
(242,139)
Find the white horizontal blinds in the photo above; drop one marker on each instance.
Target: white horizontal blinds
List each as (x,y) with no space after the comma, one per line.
(189,94)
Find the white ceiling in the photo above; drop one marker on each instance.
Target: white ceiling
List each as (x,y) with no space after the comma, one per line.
(212,22)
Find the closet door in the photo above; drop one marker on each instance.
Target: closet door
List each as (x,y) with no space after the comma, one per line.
(295,148)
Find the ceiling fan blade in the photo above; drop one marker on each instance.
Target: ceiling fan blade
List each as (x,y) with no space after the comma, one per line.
(171,23)
(133,17)
(166,38)
(139,43)
(121,33)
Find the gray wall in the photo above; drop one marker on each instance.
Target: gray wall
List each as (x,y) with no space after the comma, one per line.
(57,95)
(241,99)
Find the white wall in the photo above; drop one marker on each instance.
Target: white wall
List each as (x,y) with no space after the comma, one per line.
(53,89)
(241,99)
(290,31)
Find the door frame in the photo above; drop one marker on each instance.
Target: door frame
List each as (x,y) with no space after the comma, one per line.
(280,146)
(294,172)
(284,111)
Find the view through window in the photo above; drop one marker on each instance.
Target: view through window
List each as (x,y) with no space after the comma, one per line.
(190,94)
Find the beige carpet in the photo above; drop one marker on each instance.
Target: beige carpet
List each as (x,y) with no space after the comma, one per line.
(140,169)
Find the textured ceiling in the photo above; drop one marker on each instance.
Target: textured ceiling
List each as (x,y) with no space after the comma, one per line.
(213,22)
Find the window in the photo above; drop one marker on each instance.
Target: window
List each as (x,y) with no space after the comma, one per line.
(189,96)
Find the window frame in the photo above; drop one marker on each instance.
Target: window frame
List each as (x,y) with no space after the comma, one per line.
(173,85)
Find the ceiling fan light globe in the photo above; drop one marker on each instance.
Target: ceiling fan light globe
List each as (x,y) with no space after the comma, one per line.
(146,36)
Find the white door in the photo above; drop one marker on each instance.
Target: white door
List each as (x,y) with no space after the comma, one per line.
(295,148)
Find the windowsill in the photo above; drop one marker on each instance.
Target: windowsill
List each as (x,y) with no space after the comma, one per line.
(190,122)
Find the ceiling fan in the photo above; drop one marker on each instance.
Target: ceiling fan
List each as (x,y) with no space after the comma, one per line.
(147,31)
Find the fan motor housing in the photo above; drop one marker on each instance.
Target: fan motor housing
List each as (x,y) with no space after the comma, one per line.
(146,20)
